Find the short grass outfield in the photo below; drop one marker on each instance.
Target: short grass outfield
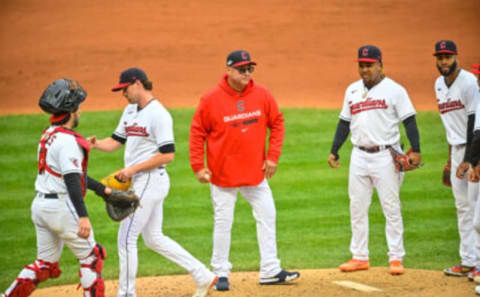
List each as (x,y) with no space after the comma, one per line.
(313,226)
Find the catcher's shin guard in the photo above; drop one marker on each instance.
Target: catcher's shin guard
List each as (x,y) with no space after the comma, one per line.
(30,276)
(91,273)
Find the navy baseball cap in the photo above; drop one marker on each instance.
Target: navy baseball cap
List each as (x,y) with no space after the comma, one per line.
(128,77)
(369,53)
(239,58)
(445,47)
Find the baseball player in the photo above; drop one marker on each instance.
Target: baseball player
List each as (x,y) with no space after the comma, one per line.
(232,120)
(372,110)
(146,129)
(475,176)
(455,91)
(58,210)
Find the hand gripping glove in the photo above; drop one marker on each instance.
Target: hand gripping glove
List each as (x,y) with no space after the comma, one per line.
(112,182)
(120,204)
(401,161)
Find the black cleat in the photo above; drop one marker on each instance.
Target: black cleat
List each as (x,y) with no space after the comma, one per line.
(222,284)
(281,278)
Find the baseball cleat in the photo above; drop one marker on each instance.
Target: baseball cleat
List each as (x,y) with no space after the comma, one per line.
(202,291)
(458,270)
(396,268)
(281,278)
(354,265)
(222,284)
(477,290)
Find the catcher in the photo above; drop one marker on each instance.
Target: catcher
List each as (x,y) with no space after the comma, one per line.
(60,186)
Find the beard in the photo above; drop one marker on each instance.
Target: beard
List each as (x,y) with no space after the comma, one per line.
(450,70)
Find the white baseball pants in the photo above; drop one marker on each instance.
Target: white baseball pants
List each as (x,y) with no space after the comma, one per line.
(368,171)
(152,187)
(465,194)
(56,223)
(263,207)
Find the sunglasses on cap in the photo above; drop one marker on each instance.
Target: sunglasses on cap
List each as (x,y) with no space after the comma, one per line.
(243,70)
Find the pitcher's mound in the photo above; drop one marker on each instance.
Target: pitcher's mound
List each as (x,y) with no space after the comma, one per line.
(375,282)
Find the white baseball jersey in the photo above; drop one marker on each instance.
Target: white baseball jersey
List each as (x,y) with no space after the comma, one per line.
(374,114)
(64,156)
(146,130)
(477,110)
(455,104)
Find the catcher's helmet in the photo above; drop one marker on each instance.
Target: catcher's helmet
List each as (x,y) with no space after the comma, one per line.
(62,96)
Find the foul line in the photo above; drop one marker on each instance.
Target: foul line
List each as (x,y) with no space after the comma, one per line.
(357,286)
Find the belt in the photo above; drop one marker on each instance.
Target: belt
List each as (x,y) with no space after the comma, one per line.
(374,149)
(49,195)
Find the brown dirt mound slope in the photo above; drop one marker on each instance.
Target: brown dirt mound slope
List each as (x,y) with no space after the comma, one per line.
(414,283)
(305,49)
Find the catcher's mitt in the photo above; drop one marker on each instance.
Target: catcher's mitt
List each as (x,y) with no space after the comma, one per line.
(112,182)
(120,204)
(401,161)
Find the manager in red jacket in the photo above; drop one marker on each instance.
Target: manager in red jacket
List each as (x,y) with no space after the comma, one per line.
(232,119)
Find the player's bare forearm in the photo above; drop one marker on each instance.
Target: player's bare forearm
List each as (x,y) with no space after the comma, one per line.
(105,145)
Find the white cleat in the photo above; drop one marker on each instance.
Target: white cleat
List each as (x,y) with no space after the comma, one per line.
(203,290)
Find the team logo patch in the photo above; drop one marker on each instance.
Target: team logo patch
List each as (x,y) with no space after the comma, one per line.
(450,106)
(443,44)
(368,104)
(135,130)
(240,105)
(365,52)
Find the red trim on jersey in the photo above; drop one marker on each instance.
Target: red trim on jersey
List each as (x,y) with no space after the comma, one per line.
(42,156)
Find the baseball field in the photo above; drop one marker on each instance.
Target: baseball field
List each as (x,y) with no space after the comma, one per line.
(305,52)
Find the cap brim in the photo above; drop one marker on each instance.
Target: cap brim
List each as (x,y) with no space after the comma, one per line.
(120,86)
(444,52)
(476,71)
(244,63)
(368,60)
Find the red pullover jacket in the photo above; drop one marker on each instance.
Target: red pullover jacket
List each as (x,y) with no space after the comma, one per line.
(234,126)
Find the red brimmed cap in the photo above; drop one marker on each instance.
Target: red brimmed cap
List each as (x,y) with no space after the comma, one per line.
(476,68)
(128,77)
(369,53)
(239,58)
(445,47)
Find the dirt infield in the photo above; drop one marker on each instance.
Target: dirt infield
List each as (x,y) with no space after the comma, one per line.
(312,283)
(305,52)
(305,49)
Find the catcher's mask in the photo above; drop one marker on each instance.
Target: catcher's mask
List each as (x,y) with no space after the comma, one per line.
(62,96)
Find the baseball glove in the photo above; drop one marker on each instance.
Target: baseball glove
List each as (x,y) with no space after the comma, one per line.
(401,161)
(112,182)
(120,204)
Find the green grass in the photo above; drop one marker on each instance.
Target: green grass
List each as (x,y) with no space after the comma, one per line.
(313,226)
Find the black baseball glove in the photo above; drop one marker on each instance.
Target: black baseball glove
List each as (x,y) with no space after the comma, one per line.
(120,204)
